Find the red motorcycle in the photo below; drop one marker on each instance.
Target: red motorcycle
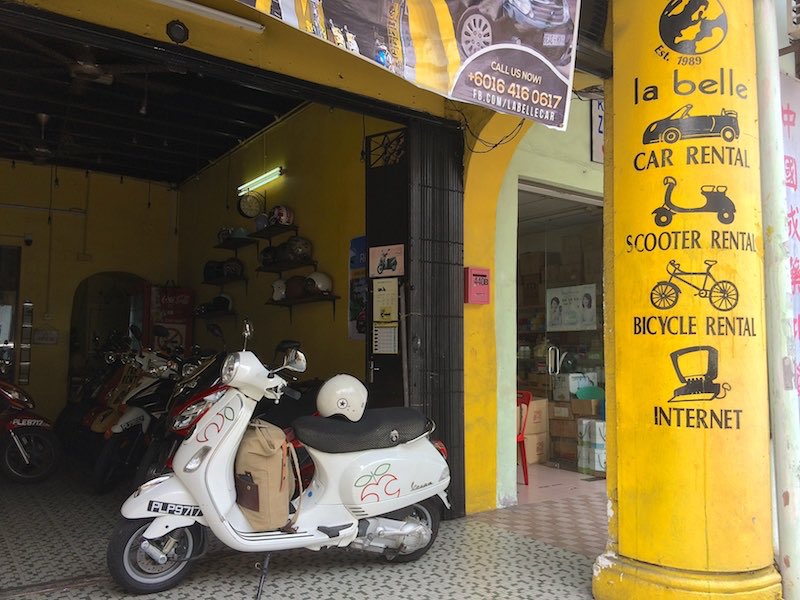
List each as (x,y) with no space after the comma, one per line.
(29,449)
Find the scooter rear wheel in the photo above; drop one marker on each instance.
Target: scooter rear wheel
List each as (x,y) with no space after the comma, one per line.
(133,569)
(428,513)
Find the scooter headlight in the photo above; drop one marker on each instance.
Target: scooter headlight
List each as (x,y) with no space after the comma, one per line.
(230,367)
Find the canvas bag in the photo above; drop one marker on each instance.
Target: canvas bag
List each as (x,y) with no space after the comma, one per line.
(263,476)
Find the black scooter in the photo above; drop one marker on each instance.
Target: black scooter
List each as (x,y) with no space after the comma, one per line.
(716,198)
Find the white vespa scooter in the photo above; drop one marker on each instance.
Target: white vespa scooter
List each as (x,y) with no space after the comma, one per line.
(374,488)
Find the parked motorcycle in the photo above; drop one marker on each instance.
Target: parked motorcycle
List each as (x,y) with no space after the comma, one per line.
(375,486)
(127,440)
(188,403)
(29,450)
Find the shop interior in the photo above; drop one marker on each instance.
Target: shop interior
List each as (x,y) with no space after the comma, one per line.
(560,354)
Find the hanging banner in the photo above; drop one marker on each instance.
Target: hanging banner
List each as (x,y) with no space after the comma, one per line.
(790,106)
(512,56)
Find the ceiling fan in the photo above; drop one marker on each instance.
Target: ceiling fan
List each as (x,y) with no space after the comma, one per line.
(83,67)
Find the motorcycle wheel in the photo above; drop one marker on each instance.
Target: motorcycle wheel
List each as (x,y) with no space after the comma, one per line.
(428,514)
(43,451)
(133,569)
(114,461)
(154,461)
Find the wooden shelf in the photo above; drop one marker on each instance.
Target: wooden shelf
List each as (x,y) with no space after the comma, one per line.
(271,231)
(220,281)
(280,267)
(234,243)
(290,304)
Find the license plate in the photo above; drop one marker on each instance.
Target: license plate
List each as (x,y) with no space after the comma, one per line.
(554,39)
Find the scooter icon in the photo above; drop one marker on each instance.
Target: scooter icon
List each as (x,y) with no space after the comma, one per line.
(716,201)
(387,263)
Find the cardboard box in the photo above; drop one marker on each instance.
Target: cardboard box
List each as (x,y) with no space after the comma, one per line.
(591,433)
(585,459)
(559,410)
(565,448)
(591,461)
(536,447)
(566,384)
(564,428)
(597,463)
(585,408)
(536,421)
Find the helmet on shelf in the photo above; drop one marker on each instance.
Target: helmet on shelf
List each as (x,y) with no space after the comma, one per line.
(318,283)
(233,267)
(224,233)
(221,303)
(262,221)
(342,395)
(299,248)
(278,290)
(268,256)
(295,287)
(212,270)
(281,215)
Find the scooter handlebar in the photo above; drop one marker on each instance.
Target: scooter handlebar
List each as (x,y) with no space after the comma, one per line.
(294,394)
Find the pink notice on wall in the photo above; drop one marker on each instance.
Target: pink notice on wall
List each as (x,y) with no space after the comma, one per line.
(476,285)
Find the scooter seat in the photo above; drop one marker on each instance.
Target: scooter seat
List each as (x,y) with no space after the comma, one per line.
(378,428)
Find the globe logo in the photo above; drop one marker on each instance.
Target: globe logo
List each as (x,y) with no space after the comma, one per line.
(693,26)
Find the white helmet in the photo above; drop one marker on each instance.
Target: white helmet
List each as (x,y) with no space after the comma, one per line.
(342,395)
(278,290)
(318,283)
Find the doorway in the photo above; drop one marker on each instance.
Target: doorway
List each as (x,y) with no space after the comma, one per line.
(560,351)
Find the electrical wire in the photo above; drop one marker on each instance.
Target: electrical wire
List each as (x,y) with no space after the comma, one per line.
(488,144)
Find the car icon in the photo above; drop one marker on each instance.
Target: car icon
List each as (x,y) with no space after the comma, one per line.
(683,125)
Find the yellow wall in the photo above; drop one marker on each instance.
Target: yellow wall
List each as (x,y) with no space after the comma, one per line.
(320,148)
(117,232)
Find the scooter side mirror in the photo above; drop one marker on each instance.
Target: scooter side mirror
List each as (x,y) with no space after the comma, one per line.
(295,361)
(247,333)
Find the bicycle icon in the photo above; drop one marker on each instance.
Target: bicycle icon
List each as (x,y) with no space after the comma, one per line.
(723,295)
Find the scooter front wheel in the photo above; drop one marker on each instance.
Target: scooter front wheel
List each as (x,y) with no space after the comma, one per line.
(41,448)
(428,514)
(137,571)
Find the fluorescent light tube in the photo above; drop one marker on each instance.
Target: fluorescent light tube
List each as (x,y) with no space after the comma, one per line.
(212,13)
(264,179)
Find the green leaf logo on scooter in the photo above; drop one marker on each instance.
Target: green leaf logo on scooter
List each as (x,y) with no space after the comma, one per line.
(716,201)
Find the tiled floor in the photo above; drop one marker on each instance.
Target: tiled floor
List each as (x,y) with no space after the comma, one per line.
(53,540)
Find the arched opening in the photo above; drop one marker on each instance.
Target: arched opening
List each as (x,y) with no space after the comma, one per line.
(104,306)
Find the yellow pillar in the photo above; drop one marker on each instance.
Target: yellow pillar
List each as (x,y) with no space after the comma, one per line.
(689,482)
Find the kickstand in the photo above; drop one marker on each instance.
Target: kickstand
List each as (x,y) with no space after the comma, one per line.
(262,566)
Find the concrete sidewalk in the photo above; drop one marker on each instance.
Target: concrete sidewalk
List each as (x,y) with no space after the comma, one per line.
(53,540)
